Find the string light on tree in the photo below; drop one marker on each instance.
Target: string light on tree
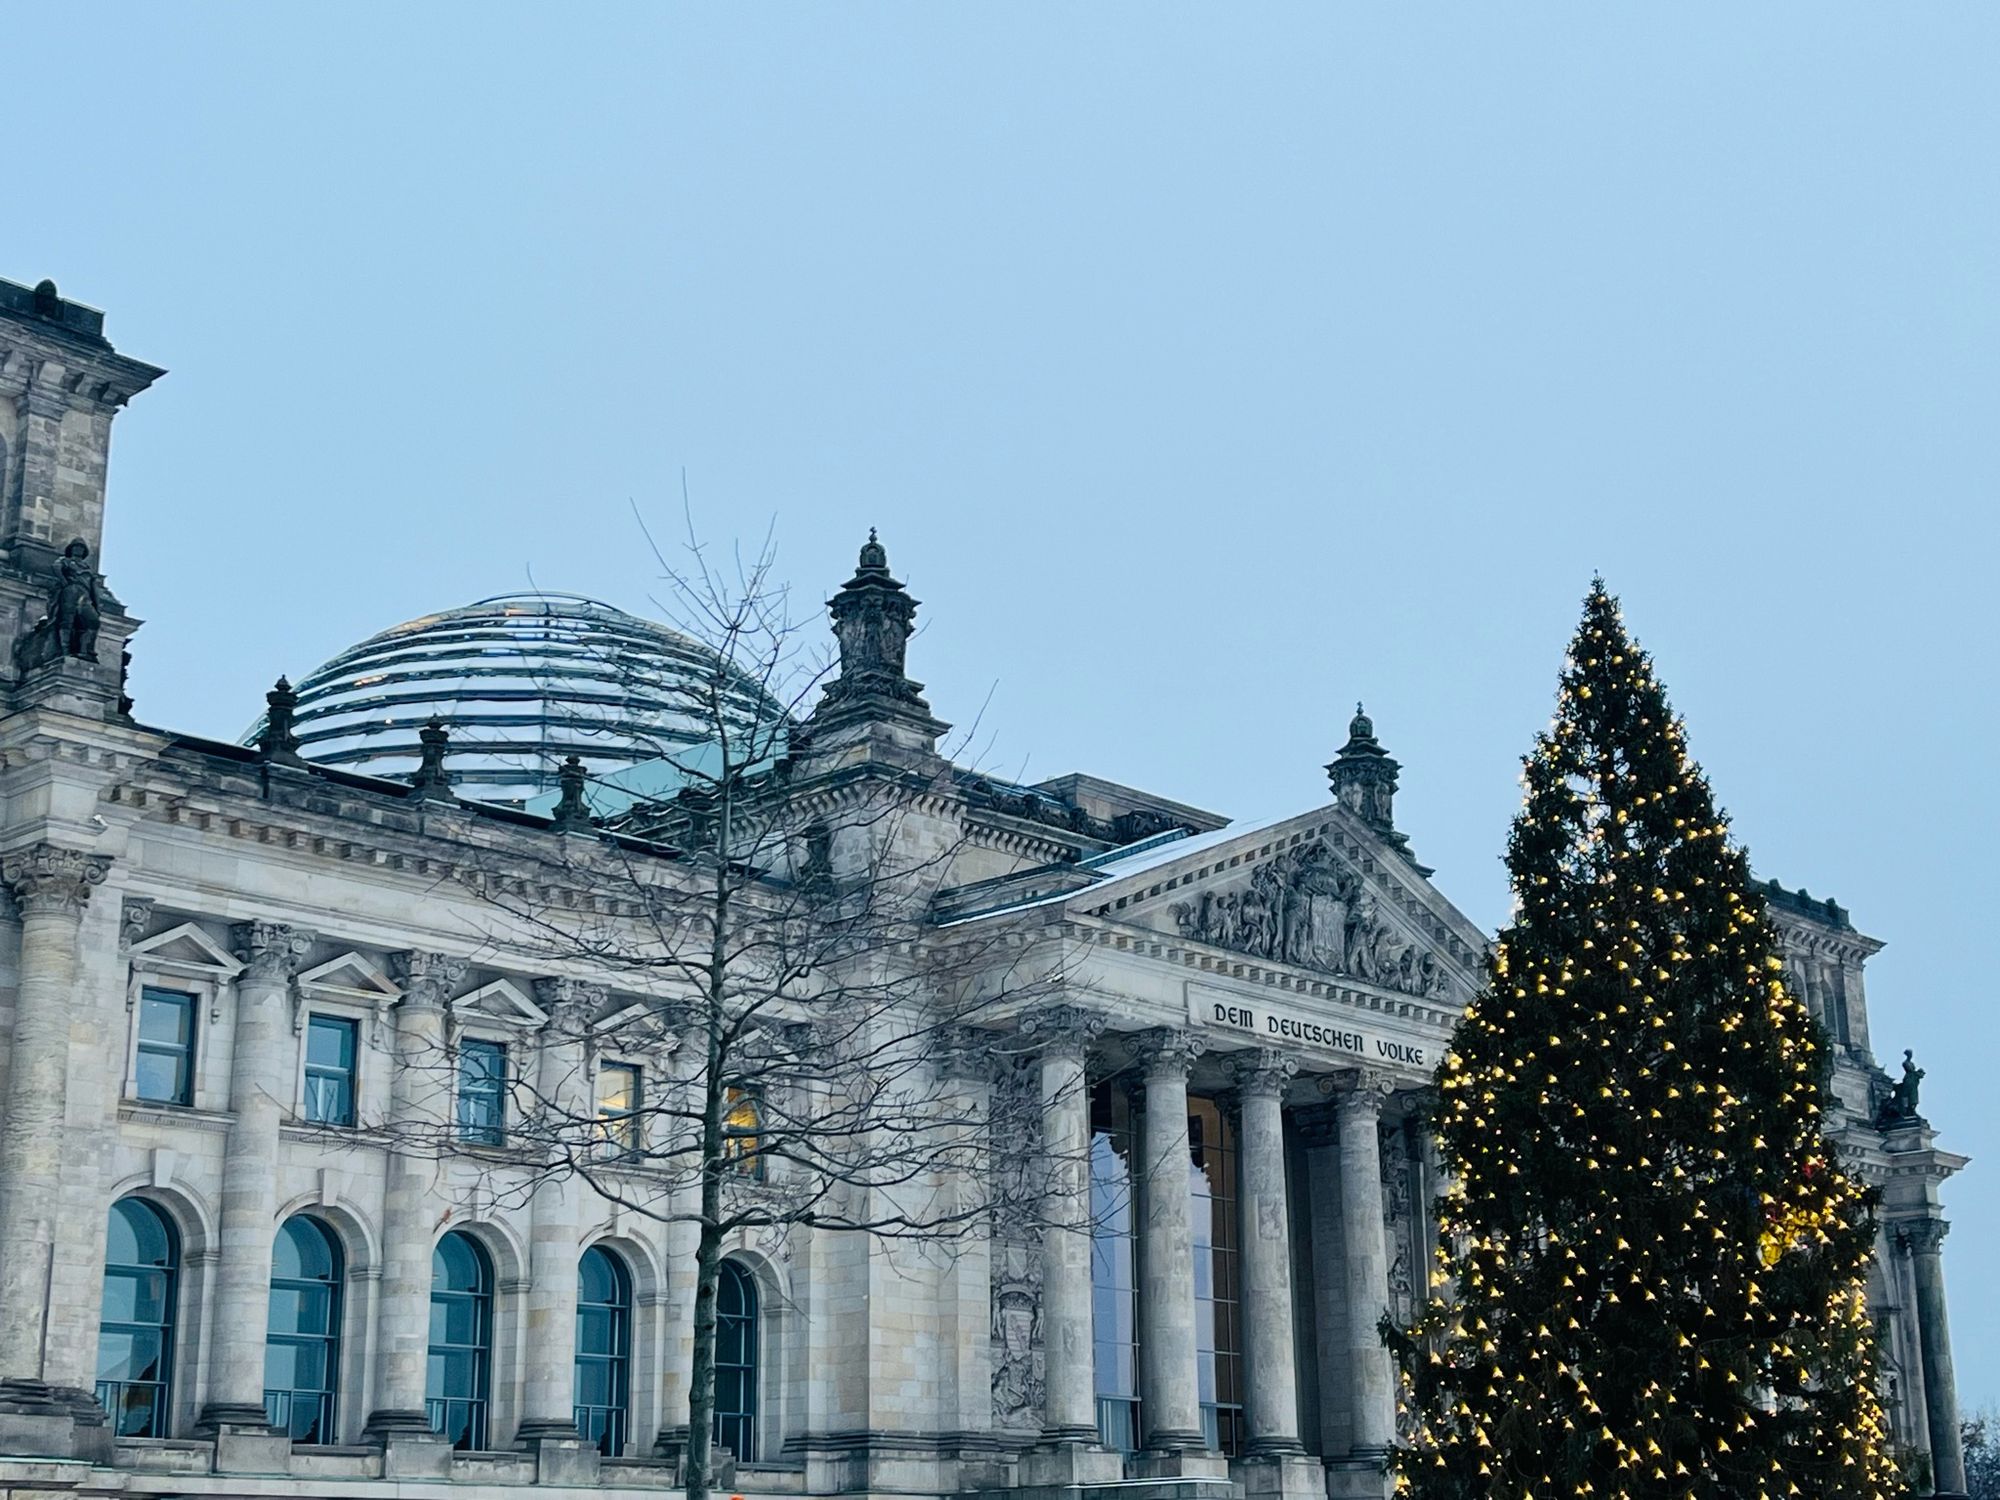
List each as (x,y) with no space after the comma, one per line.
(1650,1275)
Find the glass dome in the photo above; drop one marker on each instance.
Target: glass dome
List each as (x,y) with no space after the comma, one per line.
(520,682)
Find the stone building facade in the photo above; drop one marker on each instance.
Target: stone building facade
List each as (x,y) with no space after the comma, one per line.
(220,1276)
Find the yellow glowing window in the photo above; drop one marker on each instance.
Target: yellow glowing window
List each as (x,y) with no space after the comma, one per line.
(618,1106)
(743,1131)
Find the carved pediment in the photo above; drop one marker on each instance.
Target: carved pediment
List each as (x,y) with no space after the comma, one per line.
(1309,907)
(186,951)
(352,977)
(503,1001)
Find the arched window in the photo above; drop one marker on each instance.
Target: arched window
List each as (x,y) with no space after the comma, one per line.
(135,1340)
(302,1349)
(603,1350)
(460,1378)
(736,1362)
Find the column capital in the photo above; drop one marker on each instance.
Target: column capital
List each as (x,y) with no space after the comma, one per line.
(1922,1236)
(1062,1028)
(133,920)
(50,878)
(1166,1049)
(271,951)
(1263,1072)
(1358,1091)
(565,999)
(427,978)
(966,1053)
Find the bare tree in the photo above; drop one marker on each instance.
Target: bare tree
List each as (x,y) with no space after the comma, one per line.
(766,919)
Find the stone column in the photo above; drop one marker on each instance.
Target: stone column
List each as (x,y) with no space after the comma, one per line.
(1358,1096)
(260,1088)
(1272,1401)
(50,886)
(1069,1401)
(1924,1240)
(1069,1453)
(564,1118)
(420,1093)
(1169,1376)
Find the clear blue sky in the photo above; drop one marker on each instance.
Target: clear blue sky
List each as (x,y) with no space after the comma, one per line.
(1205,369)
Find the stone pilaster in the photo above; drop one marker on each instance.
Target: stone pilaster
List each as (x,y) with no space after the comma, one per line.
(259,1088)
(50,886)
(420,1122)
(1358,1097)
(1169,1373)
(1923,1240)
(564,1110)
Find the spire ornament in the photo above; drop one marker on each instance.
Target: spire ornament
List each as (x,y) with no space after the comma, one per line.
(873,619)
(279,743)
(1363,777)
(432,783)
(572,813)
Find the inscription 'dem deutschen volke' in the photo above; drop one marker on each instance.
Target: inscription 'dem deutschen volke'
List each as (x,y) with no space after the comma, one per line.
(1279,1028)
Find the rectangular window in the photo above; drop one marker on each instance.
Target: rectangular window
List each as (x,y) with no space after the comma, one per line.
(482,1084)
(165,1070)
(743,1131)
(330,1050)
(618,1108)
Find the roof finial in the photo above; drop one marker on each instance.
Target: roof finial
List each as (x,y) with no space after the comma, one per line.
(874,556)
(432,783)
(280,742)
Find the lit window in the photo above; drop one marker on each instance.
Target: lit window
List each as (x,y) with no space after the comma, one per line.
(618,1108)
(165,1072)
(743,1132)
(482,1099)
(330,1049)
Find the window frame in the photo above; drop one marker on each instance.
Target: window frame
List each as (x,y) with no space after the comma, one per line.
(748,1416)
(631,1144)
(182,957)
(743,1155)
(616,1428)
(331,1341)
(437,1409)
(353,1021)
(495,1135)
(160,1422)
(189,1051)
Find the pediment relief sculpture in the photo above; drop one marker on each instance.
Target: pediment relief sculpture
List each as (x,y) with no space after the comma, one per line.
(1307,907)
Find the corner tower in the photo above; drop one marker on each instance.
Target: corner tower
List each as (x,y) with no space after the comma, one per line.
(61,383)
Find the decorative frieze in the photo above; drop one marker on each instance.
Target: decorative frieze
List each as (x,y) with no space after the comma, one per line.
(1308,907)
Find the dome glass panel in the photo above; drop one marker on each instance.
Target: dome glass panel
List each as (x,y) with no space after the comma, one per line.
(520,682)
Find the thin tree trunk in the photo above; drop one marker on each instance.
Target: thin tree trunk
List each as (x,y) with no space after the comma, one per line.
(700,1480)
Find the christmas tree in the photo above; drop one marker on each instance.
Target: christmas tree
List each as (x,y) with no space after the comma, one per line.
(1650,1273)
